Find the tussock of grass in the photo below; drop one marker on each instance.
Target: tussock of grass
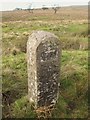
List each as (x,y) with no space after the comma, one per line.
(22,109)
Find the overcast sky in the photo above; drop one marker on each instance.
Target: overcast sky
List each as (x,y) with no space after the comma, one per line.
(12,4)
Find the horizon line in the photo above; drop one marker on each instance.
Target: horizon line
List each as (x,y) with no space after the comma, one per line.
(73,5)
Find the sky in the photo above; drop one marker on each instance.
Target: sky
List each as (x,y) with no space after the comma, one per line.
(12,4)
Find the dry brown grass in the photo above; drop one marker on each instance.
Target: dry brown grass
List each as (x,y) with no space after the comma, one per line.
(65,13)
(45,112)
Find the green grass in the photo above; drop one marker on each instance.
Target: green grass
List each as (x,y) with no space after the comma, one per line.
(72,36)
(22,109)
(73,90)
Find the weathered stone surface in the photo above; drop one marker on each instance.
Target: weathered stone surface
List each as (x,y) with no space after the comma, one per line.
(43,53)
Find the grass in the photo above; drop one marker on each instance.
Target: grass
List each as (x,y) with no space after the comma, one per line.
(73,97)
(16,35)
(73,88)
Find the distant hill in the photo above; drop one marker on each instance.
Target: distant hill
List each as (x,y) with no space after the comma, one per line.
(76,6)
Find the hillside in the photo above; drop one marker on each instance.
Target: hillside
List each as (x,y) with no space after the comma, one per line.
(64,13)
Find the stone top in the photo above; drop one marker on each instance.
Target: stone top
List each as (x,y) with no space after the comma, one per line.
(39,36)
